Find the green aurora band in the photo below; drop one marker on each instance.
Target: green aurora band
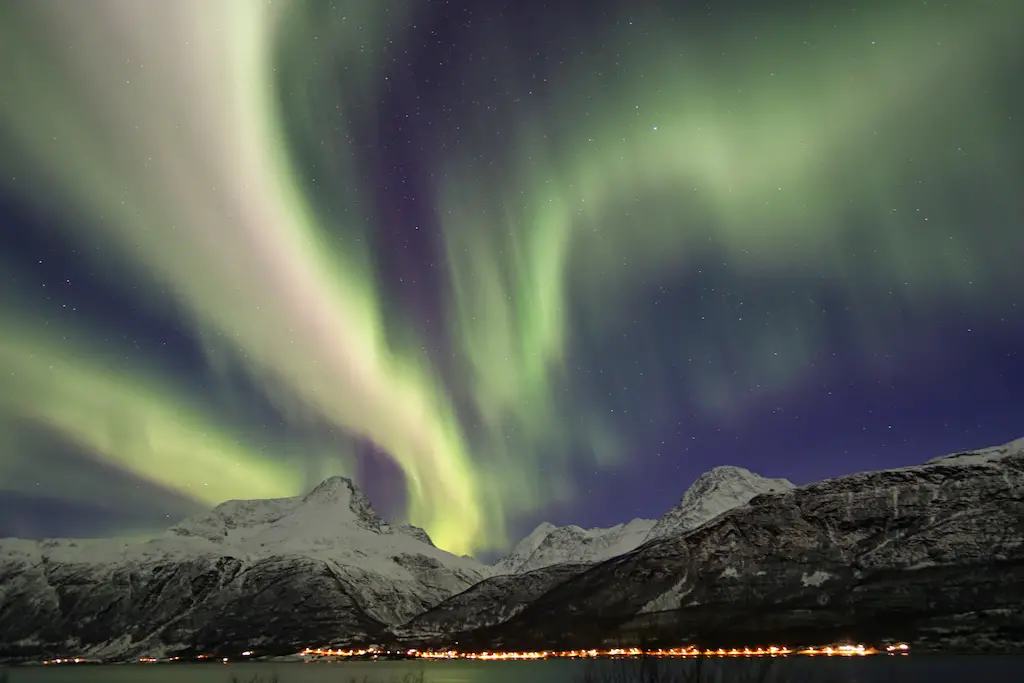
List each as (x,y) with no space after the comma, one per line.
(129,419)
(165,136)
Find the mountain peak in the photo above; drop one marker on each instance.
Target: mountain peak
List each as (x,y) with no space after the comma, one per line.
(729,472)
(333,488)
(516,559)
(336,501)
(341,492)
(716,491)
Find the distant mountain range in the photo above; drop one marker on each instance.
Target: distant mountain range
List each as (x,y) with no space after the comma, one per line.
(932,554)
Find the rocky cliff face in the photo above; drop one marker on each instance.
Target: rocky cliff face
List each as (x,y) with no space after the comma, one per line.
(548,545)
(279,573)
(932,554)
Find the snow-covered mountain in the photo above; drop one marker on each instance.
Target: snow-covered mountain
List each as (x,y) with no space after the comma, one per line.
(930,554)
(715,492)
(334,521)
(288,571)
(548,545)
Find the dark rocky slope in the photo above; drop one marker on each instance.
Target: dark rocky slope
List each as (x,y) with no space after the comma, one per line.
(487,603)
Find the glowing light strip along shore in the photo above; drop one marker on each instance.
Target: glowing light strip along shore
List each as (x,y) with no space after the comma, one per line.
(844,650)
(771,651)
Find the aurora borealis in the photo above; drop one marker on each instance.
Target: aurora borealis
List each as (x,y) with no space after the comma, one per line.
(499,260)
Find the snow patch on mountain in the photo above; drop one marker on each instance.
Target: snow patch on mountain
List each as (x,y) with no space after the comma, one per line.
(815,578)
(548,545)
(715,492)
(670,599)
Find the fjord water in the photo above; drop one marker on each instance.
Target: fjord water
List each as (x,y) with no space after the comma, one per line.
(917,669)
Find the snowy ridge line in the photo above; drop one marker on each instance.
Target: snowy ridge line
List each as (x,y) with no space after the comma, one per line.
(714,493)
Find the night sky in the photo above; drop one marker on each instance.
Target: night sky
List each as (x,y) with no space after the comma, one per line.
(500,262)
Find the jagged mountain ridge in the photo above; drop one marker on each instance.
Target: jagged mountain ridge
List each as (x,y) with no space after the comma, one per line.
(931,554)
(713,493)
(286,572)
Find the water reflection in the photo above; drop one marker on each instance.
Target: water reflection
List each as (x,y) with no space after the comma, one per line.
(914,669)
